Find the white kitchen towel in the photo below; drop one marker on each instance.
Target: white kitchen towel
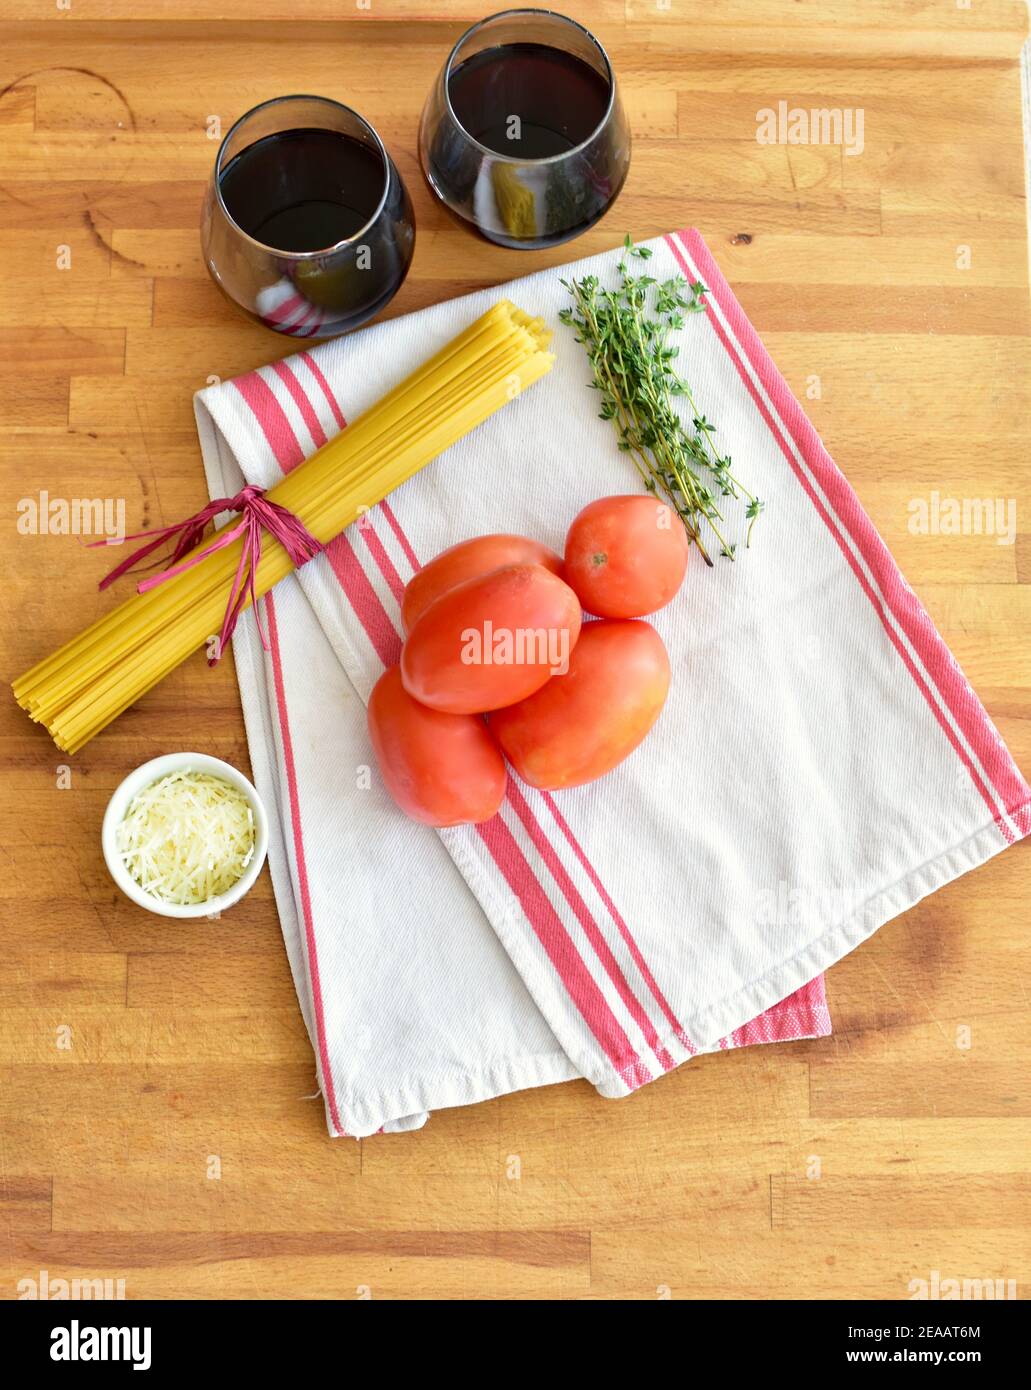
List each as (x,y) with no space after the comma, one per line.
(409,999)
(821,763)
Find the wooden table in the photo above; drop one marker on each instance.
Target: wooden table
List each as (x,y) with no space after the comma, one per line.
(131,1051)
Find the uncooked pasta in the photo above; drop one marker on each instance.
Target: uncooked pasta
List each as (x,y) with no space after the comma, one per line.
(82,687)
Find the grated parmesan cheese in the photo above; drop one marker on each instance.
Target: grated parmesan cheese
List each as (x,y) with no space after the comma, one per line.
(187,837)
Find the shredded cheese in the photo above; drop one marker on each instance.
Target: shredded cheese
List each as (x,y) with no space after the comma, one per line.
(188,837)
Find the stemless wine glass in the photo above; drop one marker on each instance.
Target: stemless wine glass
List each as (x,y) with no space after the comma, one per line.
(523,136)
(307,225)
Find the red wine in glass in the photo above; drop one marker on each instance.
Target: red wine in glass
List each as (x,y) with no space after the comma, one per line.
(297,190)
(307,225)
(562,98)
(523,137)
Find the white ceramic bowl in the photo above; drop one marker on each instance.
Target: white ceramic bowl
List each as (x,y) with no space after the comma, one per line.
(142,777)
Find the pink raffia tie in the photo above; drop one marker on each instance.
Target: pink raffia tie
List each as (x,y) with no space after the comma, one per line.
(258,514)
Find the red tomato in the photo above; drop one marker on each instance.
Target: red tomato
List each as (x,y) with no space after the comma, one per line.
(441,769)
(580,725)
(491,641)
(626,556)
(468,560)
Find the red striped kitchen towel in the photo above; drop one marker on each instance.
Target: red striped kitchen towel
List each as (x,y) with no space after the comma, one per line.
(821,763)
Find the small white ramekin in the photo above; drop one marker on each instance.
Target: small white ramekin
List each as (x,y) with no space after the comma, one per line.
(142,777)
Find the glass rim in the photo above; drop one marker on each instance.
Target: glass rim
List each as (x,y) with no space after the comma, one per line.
(315,250)
(562,19)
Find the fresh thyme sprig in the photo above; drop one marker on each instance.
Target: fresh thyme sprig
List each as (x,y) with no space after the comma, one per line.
(626,334)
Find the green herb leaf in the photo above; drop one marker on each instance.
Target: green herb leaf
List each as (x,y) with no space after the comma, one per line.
(625,332)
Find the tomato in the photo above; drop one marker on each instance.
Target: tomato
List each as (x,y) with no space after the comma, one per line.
(626,556)
(441,769)
(492,640)
(580,725)
(467,560)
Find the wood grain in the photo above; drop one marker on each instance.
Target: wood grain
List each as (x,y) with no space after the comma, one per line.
(186,1044)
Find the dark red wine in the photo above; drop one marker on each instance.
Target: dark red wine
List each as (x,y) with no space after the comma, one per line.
(332,227)
(528,144)
(527,100)
(303,190)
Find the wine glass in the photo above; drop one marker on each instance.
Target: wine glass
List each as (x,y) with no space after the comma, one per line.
(307,225)
(523,137)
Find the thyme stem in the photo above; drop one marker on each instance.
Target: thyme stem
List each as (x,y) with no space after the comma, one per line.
(625,332)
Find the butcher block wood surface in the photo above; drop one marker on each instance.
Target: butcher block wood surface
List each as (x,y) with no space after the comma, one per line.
(157,1123)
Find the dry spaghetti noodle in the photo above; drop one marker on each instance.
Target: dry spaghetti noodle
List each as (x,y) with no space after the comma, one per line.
(81,688)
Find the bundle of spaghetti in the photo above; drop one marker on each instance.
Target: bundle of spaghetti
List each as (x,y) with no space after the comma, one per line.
(82,687)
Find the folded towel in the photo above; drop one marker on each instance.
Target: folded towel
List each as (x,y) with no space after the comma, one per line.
(409,998)
(799,789)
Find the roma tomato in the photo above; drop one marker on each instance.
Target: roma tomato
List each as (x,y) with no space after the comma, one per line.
(468,560)
(580,725)
(492,640)
(626,556)
(441,769)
